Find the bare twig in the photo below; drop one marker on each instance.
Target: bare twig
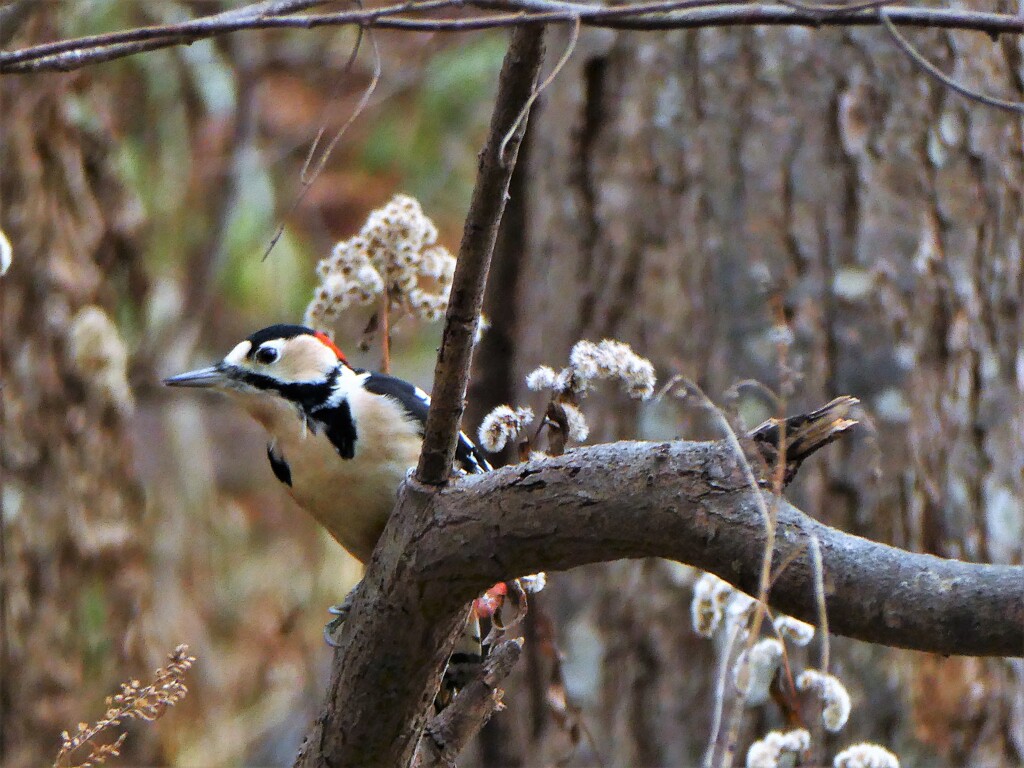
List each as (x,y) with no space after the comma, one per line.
(307,176)
(448,733)
(72,54)
(819,599)
(451,375)
(927,67)
(562,60)
(119,44)
(721,685)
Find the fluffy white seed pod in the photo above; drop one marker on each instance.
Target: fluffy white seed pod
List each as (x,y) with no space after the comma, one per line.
(611,359)
(866,755)
(798,632)
(576,423)
(778,750)
(835,699)
(503,425)
(438,264)
(541,378)
(710,594)
(739,608)
(395,252)
(754,671)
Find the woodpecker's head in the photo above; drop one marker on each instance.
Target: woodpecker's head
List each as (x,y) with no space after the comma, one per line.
(289,361)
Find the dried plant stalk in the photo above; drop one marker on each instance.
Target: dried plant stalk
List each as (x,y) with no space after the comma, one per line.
(134,702)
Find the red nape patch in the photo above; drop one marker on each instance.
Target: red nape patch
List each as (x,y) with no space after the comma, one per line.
(330,344)
(491,601)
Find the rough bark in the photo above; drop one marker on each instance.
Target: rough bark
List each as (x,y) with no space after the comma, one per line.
(686,501)
(71,557)
(691,187)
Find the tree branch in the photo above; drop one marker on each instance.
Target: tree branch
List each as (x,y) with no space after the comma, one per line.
(497,161)
(684,501)
(375,711)
(73,54)
(689,502)
(448,733)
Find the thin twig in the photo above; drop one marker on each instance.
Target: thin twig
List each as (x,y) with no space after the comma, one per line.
(721,683)
(516,84)
(725,758)
(182,33)
(563,59)
(926,66)
(819,598)
(307,178)
(350,63)
(385,338)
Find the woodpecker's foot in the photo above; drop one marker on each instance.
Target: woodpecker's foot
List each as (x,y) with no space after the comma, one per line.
(340,613)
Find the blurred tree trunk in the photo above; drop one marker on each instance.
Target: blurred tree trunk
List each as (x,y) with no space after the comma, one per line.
(689,192)
(73,578)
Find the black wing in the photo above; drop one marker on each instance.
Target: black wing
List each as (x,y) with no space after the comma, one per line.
(416,403)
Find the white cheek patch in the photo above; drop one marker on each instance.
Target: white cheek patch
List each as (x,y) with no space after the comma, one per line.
(237,355)
(304,358)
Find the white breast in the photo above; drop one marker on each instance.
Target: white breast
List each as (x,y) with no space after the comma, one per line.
(351,498)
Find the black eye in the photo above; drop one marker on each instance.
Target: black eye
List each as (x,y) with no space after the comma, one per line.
(266,355)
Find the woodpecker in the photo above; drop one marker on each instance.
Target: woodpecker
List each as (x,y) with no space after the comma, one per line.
(341,438)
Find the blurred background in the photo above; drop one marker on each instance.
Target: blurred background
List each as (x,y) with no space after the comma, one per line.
(702,195)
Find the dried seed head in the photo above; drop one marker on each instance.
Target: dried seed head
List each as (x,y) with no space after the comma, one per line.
(835,699)
(576,423)
(777,749)
(610,360)
(534,583)
(798,632)
(541,378)
(6,253)
(395,253)
(710,595)
(502,425)
(754,671)
(866,755)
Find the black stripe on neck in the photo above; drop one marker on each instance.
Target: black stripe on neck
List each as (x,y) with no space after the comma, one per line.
(310,398)
(307,395)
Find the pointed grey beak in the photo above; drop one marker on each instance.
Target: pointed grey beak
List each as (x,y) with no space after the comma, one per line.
(213,376)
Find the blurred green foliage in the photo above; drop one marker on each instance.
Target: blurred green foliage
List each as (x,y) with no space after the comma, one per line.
(426,142)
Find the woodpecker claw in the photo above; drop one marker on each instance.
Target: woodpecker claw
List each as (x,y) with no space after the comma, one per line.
(340,613)
(330,628)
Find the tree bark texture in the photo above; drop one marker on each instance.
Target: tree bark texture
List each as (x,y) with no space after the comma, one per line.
(692,191)
(72,568)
